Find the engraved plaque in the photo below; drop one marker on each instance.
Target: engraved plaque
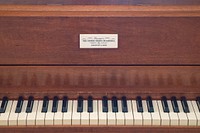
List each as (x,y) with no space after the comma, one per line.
(98,40)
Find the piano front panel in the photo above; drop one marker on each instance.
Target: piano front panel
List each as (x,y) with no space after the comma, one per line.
(100,80)
(158,55)
(142,40)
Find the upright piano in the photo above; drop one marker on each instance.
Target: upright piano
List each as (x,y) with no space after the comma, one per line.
(99,66)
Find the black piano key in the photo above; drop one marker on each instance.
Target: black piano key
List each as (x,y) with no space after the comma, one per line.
(124,104)
(150,104)
(45,104)
(90,104)
(185,105)
(175,104)
(30,104)
(105,104)
(139,104)
(198,103)
(80,104)
(55,104)
(165,104)
(19,105)
(65,104)
(4,104)
(114,104)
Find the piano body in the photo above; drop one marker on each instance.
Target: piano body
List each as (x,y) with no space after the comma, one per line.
(59,72)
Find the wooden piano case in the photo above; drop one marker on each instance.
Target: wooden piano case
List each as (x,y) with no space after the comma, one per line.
(158,53)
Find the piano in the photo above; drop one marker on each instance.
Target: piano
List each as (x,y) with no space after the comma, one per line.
(99,66)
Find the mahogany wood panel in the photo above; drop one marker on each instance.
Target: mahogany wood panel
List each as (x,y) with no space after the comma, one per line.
(100,80)
(104,2)
(100,129)
(142,40)
(99,11)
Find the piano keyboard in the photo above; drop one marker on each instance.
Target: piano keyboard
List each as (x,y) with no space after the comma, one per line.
(170,112)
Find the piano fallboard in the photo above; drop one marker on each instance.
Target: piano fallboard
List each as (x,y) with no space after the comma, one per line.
(99,80)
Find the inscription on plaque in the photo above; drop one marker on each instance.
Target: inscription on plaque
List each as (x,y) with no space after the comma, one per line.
(98,40)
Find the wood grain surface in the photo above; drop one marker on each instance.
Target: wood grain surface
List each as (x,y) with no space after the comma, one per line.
(100,129)
(99,81)
(158,54)
(100,10)
(104,2)
(142,40)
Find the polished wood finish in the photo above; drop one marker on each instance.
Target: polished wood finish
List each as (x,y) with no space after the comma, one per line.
(103,2)
(99,11)
(142,40)
(100,129)
(158,54)
(153,35)
(100,80)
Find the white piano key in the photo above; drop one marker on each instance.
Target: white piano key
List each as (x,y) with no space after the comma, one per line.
(49,114)
(102,115)
(111,115)
(146,115)
(94,114)
(0,105)
(119,114)
(4,117)
(58,116)
(23,115)
(132,117)
(13,116)
(138,118)
(165,120)
(128,116)
(196,111)
(192,120)
(183,120)
(85,116)
(40,117)
(31,117)
(174,119)
(76,116)
(156,120)
(67,116)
